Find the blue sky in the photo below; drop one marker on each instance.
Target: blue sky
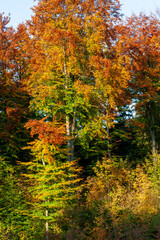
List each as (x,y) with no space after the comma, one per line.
(136,6)
(20,9)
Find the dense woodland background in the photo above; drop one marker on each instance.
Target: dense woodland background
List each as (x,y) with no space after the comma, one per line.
(79,123)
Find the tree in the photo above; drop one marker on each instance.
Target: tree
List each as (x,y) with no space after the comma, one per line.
(54,184)
(13,97)
(76,74)
(140,43)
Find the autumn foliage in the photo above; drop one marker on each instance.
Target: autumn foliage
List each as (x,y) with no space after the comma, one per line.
(79,129)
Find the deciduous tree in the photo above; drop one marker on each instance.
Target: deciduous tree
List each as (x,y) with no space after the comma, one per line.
(141,43)
(13,97)
(76,74)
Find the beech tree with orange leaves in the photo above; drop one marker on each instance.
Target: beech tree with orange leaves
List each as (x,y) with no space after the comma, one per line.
(14,99)
(14,102)
(140,41)
(76,74)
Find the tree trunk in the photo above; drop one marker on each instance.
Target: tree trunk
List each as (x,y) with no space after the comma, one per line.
(47,225)
(70,128)
(108,132)
(70,140)
(153,143)
(150,114)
